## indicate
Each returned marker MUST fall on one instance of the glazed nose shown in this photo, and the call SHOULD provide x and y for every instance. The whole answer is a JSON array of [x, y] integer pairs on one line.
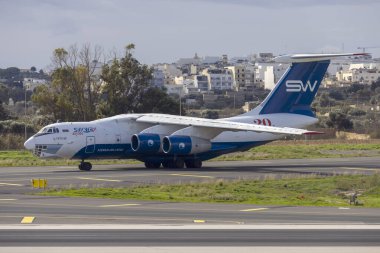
[[29, 144]]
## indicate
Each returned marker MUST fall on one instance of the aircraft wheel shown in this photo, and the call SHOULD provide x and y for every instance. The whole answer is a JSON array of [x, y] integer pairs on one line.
[[189, 164], [179, 163], [85, 166], [152, 165], [197, 163], [194, 163], [167, 164]]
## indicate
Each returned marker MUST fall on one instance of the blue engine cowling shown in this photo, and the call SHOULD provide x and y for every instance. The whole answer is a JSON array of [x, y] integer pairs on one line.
[[146, 143], [184, 145]]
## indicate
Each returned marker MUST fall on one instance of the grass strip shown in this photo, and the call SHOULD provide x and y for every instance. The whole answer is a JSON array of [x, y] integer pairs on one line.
[[275, 150], [302, 191], [16, 158]]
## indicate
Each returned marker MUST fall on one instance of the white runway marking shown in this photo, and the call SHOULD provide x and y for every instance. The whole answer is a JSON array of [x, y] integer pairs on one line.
[[120, 205], [100, 179], [9, 184], [358, 168], [254, 209], [188, 175]]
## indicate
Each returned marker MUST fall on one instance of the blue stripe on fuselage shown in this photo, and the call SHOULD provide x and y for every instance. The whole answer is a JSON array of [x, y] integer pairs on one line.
[[124, 151]]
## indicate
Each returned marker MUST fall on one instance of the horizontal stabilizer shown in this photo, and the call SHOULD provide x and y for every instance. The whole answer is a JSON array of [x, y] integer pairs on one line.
[[290, 58]]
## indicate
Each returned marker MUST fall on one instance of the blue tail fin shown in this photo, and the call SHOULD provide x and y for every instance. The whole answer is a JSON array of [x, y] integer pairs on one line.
[[296, 90]]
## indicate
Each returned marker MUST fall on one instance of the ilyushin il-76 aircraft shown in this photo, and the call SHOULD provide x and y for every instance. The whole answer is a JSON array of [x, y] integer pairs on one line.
[[177, 141]]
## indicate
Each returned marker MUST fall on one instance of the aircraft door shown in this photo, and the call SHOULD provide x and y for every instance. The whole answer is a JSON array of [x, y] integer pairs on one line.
[[118, 138], [90, 144]]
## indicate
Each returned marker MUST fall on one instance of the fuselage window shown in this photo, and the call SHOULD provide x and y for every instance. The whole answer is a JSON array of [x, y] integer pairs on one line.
[[65, 130], [56, 130]]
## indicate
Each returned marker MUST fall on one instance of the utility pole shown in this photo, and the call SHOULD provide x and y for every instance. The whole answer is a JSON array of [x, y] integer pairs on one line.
[[25, 114], [180, 103]]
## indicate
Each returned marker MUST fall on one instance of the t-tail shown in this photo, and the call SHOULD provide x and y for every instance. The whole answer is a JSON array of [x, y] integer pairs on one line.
[[296, 89]]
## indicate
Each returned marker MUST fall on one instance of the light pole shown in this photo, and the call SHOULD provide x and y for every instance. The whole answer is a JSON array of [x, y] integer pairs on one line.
[[180, 102], [25, 113]]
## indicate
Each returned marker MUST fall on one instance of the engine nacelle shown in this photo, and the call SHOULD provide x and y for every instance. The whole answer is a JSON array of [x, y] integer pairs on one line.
[[184, 145], [146, 143]]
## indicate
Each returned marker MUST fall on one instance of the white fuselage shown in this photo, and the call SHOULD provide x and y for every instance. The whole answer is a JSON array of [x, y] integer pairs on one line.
[[111, 137]]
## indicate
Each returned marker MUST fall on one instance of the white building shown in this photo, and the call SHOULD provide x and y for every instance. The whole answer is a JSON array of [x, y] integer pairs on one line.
[[31, 83], [362, 75], [365, 65], [268, 74], [366, 76], [243, 75], [158, 78], [201, 82], [219, 79], [170, 72], [175, 89], [269, 78]]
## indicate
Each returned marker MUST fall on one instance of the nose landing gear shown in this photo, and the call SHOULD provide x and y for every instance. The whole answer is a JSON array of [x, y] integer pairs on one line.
[[85, 166]]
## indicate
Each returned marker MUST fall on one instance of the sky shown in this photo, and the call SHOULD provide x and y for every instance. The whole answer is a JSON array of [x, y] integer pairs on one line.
[[166, 30]]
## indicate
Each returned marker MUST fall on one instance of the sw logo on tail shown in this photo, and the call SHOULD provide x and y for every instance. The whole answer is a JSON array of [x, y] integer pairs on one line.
[[298, 86]]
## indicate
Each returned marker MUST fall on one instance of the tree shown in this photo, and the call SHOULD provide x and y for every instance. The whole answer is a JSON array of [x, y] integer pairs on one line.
[[324, 100], [125, 82], [339, 121], [156, 100], [33, 69], [3, 113], [210, 114], [74, 91], [78, 93]]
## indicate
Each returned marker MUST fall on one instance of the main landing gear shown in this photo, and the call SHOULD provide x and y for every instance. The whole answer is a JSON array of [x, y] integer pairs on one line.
[[177, 163], [85, 166]]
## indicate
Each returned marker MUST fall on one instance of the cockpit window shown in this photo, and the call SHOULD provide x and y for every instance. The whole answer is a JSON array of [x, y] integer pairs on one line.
[[48, 130]]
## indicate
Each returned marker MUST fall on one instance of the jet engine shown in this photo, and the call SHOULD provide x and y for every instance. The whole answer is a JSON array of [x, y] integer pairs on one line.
[[146, 143], [184, 145]]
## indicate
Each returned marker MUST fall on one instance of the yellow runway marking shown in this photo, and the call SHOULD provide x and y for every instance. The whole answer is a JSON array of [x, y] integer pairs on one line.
[[27, 220], [119, 205], [11, 184], [100, 179], [254, 209], [7, 199], [187, 175], [199, 221]]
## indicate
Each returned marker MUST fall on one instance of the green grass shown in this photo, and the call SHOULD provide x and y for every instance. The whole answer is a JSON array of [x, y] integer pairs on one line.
[[25, 158], [302, 191], [301, 149], [275, 150]]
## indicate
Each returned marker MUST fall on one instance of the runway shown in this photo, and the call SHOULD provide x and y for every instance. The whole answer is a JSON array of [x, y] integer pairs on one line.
[[17, 205], [184, 236], [17, 179]]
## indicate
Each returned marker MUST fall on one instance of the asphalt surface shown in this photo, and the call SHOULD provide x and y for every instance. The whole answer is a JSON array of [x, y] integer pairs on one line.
[[16, 203], [193, 237], [17, 179]]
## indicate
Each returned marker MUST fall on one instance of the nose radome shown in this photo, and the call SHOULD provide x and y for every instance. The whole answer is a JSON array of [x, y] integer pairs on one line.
[[29, 144]]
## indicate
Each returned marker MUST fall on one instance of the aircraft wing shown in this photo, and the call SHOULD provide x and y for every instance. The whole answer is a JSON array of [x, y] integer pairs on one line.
[[218, 124]]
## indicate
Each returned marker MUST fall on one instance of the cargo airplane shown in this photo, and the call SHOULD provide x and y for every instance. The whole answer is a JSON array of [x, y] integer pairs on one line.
[[177, 141]]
